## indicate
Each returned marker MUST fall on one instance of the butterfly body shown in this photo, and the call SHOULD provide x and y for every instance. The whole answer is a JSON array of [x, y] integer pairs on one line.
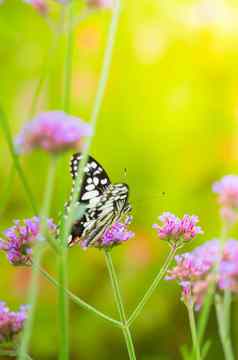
[[105, 203]]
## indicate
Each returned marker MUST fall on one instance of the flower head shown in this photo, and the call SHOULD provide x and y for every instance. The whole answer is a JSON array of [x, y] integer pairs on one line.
[[227, 190], [40, 5], [11, 323], [53, 131], [101, 4], [116, 234], [176, 230], [195, 271], [20, 238]]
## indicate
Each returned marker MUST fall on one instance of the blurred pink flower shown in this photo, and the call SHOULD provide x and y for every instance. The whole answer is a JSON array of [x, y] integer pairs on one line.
[[40, 5], [107, 4], [53, 131], [195, 271], [227, 190]]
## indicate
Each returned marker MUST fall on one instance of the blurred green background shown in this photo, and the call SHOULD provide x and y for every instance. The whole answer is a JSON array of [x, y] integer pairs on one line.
[[169, 116]]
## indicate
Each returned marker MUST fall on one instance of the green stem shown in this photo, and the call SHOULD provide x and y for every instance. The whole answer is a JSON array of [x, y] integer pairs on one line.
[[68, 60], [63, 258], [33, 288], [63, 304], [120, 307], [79, 301], [97, 104], [153, 286], [192, 323], [223, 330], [6, 129], [205, 312], [7, 191]]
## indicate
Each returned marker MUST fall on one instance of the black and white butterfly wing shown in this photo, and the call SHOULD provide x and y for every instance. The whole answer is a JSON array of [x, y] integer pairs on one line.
[[94, 184], [105, 203], [95, 180]]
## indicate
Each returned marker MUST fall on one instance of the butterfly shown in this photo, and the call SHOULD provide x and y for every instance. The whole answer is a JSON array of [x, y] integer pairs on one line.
[[105, 203]]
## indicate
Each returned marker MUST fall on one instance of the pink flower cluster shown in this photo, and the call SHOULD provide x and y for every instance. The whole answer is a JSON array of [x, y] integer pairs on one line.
[[195, 271], [227, 190], [53, 131], [176, 230], [20, 238], [11, 323]]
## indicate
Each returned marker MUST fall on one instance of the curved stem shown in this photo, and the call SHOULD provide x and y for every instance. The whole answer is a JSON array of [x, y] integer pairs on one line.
[[120, 307], [38, 253], [153, 286], [79, 301], [192, 323]]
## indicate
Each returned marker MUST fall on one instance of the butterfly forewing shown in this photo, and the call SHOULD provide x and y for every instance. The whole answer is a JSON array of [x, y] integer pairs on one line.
[[95, 179]]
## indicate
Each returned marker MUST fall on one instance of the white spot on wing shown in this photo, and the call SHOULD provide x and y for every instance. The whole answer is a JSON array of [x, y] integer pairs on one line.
[[90, 195], [96, 181], [93, 165], [90, 187], [104, 181]]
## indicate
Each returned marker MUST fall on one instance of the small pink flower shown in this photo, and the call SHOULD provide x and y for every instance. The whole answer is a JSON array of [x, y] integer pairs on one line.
[[176, 230], [20, 238], [11, 323]]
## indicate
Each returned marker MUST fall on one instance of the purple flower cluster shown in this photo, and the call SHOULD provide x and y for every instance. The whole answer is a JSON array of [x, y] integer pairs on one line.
[[227, 190], [195, 271], [53, 131], [176, 230], [20, 238], [116, 234], [11, 323]]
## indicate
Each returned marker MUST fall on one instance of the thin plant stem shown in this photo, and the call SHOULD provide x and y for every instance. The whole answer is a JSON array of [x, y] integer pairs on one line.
[[68, 60], [223, 306], [7, 190], [223, 330], [154, 285], [79, 301], [33, 288], [7, 132], [120, 307], [63, 305], [205, 312], [98, 101], [192, 323], [45, 72], [66, 225]]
